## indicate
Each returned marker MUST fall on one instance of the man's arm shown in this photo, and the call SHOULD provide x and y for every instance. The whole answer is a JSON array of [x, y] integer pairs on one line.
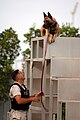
[[35, 98]]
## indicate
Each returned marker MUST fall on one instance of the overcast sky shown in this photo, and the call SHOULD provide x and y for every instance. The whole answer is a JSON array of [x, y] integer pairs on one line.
[[22, 14]]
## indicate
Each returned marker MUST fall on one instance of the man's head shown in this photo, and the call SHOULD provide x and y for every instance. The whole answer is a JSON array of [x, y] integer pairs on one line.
[[17, 75]]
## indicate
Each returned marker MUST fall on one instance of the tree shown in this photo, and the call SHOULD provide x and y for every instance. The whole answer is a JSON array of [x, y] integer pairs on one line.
[[33, 32], [65, 31], [68, 31], [9, 50]]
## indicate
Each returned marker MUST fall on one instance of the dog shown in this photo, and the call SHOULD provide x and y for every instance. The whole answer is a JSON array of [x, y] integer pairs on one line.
[[50, 28]]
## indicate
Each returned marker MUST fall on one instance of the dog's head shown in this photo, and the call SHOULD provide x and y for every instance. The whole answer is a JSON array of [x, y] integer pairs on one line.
[[48, 20], [50, 23]]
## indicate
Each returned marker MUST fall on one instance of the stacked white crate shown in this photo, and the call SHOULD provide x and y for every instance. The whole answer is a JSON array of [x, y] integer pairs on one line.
[[61, 82], [65, 70]]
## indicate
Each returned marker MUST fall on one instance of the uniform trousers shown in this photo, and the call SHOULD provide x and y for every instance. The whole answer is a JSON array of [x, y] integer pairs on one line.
[[18, 115]]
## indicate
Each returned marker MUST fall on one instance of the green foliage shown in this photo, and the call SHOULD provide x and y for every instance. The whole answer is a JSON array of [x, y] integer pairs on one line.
[[27, 53], [33, 32], [63, 110], [5, 75], [9, 50], [68, 31], [9, 45]]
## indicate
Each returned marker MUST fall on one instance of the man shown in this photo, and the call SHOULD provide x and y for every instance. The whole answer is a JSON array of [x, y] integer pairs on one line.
[[20, 99]]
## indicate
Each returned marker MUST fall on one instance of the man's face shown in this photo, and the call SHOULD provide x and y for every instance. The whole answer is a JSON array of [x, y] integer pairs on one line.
[[20, 76]]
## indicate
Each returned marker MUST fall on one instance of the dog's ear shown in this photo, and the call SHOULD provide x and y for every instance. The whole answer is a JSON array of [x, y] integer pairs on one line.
[[44, 14], [49, 15]]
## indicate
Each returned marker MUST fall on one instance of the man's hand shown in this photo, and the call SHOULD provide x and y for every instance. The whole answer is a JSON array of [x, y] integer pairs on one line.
[[40, 94]]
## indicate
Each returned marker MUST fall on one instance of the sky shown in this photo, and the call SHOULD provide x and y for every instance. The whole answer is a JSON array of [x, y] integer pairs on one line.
[[22, 14]]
